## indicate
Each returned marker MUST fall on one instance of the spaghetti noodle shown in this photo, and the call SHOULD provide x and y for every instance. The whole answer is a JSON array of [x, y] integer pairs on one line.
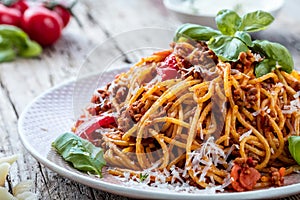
[[183, 116]]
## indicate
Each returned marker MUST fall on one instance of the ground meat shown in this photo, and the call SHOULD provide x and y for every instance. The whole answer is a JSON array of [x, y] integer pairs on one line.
[[118, 91], [100, 102], [246, 59], [131, 115], [198, 59], [250, 95], [237, 98], [121, 94], [182, 49], [99, 96], [125, 121], [137, 110], [277, 177]]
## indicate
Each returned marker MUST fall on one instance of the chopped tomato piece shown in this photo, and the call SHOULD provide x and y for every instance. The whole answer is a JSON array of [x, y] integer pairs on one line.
[[249, 177], [237, 187], [167, 73], [106, 121], [235, 172], [282, 171], [170, 62], [243, 174], [86, 130], [169, 68]]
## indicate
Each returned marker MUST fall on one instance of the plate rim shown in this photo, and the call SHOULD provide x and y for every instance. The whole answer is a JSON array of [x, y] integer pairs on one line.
[[169, 4], [124, 190]]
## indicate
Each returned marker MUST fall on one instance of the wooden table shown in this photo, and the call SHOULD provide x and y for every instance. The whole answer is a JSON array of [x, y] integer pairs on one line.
[[22, 80]]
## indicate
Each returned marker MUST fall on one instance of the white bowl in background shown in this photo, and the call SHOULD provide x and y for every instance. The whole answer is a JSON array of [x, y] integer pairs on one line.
[[204, 11]]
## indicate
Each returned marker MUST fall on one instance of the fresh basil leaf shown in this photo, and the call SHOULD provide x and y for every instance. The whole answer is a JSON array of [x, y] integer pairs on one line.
[[276, 52], [16, 35], [81, 153], [264, 67], [228, 21], [245, 37], [14, 41], [196, 32], [227, 48], [33, 49], [7, 54], [294, 147], [6, 51], [256, 21]]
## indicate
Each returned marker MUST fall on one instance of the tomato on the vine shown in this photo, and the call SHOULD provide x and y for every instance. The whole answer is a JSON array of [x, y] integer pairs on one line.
[[10, 16], [63, 13], [42, 25], [20, 5]]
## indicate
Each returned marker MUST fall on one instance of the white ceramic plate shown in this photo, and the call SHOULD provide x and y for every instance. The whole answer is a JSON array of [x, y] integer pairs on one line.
[[52, 114], [204, 11]]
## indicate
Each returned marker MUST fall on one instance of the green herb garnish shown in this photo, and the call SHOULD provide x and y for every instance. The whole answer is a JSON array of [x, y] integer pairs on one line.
[[15, 42], [81, 153], [233, 37], [143, 176], [294, 147]]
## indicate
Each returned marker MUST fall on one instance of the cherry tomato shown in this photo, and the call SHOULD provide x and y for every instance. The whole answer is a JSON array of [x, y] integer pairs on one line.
[[10, 16], [63, 13], [20, 5], [42, 25]]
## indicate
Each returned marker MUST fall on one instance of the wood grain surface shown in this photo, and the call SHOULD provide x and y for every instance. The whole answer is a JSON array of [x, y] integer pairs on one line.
[[23, 79]]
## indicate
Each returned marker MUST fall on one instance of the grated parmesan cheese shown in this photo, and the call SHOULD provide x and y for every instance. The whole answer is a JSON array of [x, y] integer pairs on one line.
[[272, 150], [293, 107], [297, 95], [256, 113], [257, 57], [202, 160], [246, 134]]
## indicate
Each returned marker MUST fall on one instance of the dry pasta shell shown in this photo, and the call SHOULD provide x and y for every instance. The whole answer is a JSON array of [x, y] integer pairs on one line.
[[9, 159], [4, 169], [5, 195]]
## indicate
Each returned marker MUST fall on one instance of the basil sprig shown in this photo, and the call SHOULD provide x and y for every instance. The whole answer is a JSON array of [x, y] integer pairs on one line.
[[233, 37], [81, 153], [15, 42], [294, 147]]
